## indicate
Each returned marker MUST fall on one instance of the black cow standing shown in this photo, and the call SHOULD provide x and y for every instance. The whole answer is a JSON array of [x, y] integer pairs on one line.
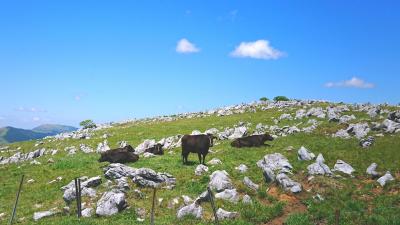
[[199, 144], [119, 155], [252, 141]]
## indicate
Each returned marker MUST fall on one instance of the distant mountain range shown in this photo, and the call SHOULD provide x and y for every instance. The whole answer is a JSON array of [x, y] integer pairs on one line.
[[12, 134]]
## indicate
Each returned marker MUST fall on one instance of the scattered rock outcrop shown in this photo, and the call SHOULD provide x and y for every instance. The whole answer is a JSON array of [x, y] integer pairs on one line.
[[111, 203], [319, 167], [193, 209], [223, 215], [343, 167], [219, 181], [305, 154], [385, 178], [276, 163]]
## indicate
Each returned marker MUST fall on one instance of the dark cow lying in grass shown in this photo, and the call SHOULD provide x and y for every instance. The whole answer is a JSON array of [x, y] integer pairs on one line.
[[252, 141], [119, 155], [156, 149], [199, 144]]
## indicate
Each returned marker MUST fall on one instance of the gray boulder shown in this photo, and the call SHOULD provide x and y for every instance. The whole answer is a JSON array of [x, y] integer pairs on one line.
[[242, 168], [229, 195], [102, 147], [346, 118], [238, 133], [39, 215], [143, 177], [385, 178], [118, 170], [288, 184], [390, 126], [88, 212], [146, 177], [275, 161], [342, 134], [359, 130], [86, 149], [145, 145], [223, 215], [343, 167], [213, 131], [367, 142], [319, 167], [305, 154], [394, 116], [214, 162], [111, 203], [192, 209], [371, 170], [250, 184], [200, 170], [219, 181], [247, 200]]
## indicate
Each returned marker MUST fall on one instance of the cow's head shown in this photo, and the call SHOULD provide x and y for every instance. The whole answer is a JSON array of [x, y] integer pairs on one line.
[[158, 148], [103, 157], [129, 148], [268, 137], [211, 138]]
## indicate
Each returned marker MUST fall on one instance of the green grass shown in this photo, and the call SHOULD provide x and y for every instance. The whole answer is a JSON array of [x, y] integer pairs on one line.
[[360, 200]]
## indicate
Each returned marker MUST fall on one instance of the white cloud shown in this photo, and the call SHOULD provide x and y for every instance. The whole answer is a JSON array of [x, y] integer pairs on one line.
[[29, 109], [354, 82], [2, 118], [185, 46], [78, 97], [260, 49], [35, 118]]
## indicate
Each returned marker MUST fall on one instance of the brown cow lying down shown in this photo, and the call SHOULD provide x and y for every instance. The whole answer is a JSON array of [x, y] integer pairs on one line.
[[252, 141], [119, 155], [196, 144], [156, 149]]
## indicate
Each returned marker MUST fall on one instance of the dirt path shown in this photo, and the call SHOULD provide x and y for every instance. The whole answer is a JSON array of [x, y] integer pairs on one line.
[[293, 205]]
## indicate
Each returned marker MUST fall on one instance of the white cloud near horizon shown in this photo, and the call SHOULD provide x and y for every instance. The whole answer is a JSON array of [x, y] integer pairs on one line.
[[30, 109], [185, 46], [260, 49], [35, 119], [354, 82]]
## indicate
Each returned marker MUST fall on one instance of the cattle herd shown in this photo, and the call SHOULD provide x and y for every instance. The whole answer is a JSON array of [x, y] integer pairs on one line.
[[199, 144]]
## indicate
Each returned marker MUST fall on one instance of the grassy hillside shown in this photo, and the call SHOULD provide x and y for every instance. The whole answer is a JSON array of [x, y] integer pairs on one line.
[[12, 134], [359, 199], [53, 129]]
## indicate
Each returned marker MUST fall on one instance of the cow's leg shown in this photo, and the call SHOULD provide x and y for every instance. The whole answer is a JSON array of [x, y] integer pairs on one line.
[[199, 157], [204, 159]]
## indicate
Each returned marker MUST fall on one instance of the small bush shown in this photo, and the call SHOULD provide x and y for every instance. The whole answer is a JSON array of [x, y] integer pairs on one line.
[[281, 98], [87, 124], [264, 99]]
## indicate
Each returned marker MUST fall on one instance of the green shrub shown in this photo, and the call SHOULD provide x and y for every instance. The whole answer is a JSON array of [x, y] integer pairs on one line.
[[281, 98], [87, 124]]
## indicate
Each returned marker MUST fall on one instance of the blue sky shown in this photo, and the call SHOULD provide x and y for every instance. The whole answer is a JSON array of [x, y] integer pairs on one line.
[[65, 61]]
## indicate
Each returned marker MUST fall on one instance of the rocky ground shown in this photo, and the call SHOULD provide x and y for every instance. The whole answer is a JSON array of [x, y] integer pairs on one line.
[[326, 157]]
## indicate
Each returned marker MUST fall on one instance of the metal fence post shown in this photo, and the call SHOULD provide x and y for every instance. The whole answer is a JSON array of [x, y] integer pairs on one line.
[[213, 204], [337, 216], [153, 207], [16, 200], [78, 197]]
